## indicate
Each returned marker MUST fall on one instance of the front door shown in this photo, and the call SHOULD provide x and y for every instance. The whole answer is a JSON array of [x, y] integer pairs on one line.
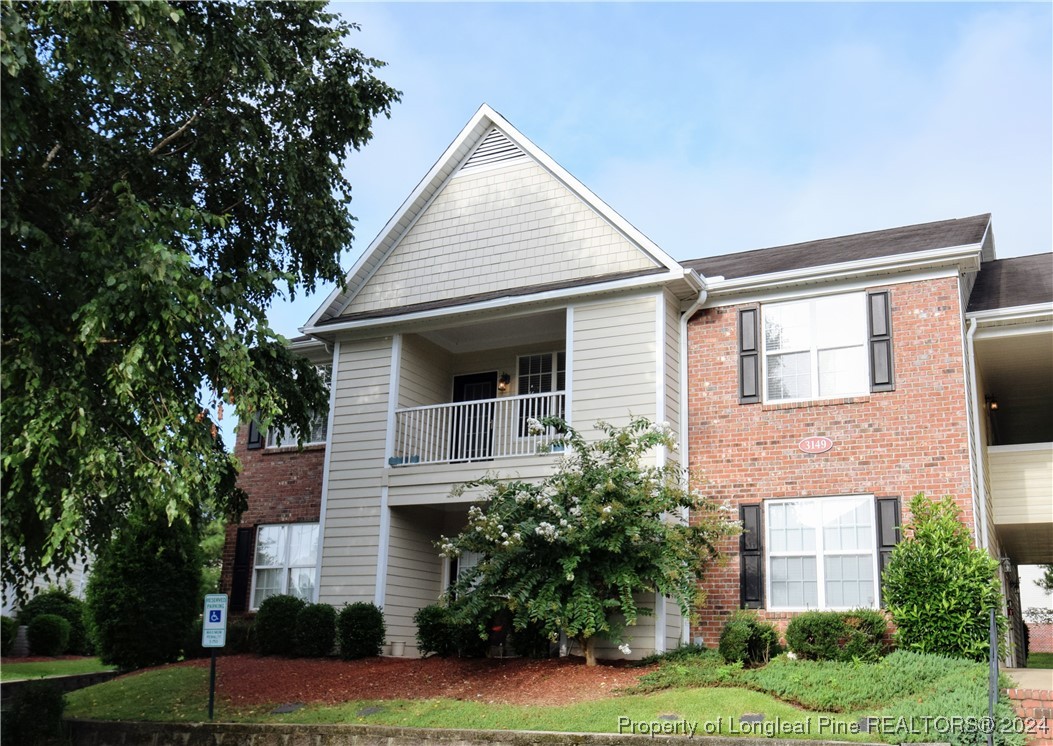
[[472, 434]]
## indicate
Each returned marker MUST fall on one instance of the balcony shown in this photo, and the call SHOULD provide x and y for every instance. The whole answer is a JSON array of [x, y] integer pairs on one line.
[[473, 431]]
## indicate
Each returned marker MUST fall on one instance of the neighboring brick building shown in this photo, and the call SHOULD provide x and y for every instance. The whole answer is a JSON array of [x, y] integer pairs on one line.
[[817, 387]]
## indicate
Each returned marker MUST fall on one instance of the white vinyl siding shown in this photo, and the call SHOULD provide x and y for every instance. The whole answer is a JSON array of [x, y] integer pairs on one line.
[[672, 366], [498, 229], [1021, 483], [815, 348], [614, 362], [414, 570], [821, 553], [356, 446]]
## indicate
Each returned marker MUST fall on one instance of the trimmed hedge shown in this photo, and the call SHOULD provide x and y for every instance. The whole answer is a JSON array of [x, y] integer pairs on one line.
[[315, 630], [361, 630], [65, 605], [745, 639], [240, 639], [439, 632], [838, 635], [276, 625], [48, 635]]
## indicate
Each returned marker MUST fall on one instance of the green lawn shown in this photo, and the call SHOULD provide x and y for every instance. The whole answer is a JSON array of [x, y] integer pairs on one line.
[[1040, 660], [181, 694], [36, 670]]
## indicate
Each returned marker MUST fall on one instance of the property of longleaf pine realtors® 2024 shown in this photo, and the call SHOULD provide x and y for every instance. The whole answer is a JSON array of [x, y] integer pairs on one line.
[[823, 725]]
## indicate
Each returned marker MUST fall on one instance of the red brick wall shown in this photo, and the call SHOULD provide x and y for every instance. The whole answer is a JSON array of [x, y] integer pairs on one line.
[[284, 485], [892, 444], [1040, 637], [1035, 708]]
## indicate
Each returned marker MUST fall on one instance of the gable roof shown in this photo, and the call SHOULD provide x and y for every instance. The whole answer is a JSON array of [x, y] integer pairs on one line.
[[1012, 282], [907, 239], [477, 146]]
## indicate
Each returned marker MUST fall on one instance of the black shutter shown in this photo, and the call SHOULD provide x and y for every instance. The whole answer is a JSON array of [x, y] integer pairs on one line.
[[255, 440], [751, 555], [888, 531], [239, 582], [879, 325], [749, 356]]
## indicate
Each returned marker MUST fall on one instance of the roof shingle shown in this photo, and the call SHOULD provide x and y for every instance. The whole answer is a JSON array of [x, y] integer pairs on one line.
[[1016, 281]]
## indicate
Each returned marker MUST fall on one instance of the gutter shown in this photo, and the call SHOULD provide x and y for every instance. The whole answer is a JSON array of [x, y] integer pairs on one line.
[[703, 294]]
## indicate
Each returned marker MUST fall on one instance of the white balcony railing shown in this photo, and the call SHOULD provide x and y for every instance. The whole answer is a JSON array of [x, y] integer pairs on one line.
[[474, 430]]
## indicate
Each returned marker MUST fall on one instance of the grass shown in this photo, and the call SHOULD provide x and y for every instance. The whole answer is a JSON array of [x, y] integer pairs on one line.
[[181, 694], [40, 669], [1040, 660]]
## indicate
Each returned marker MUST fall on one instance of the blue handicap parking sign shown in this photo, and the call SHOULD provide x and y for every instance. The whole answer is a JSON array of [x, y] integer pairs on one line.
[[215, 615]]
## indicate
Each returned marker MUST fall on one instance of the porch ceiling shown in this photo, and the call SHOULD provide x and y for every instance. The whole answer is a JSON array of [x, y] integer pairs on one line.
[[495, 333], [1018, 373], [1027, 543]]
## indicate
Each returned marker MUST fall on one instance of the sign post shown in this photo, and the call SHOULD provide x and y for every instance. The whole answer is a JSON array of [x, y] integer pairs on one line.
[[214, 635]]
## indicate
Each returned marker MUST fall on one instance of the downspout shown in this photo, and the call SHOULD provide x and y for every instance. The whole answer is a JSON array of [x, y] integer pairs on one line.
[[979, 485], [703, 294]]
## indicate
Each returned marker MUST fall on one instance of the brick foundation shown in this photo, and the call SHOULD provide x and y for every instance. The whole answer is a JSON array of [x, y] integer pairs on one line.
[[1035, 708], [890, 444]]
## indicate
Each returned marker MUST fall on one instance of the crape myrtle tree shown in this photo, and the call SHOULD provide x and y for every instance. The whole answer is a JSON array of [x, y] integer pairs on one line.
[[574, 552], [168, 169]]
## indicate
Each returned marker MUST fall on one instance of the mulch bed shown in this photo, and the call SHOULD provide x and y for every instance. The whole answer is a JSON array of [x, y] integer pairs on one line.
[[246, 680]]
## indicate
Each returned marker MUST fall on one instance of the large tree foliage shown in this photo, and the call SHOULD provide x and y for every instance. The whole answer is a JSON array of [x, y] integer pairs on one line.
[[574, 552], [168, 169]]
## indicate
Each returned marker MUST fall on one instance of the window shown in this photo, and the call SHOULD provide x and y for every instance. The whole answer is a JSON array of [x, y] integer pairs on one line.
[[540, 374], [319, 423], [816, 348], [821, 553], [286, 559]]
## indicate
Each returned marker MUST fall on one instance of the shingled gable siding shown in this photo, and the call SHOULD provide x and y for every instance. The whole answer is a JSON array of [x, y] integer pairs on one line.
[[888, 444], [284, 485], [498, 229], [357, 441]]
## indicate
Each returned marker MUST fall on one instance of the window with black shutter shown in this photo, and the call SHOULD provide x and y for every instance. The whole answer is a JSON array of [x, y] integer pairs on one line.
[[749, 356], [879, 323], [241, 572], [888, 532], [751, 557], [255, 439]]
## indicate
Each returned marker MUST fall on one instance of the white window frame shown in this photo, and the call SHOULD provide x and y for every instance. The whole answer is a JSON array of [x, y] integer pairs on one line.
[[285, 567], [518, 432], [320, 428], [820, 554], [814, 348]]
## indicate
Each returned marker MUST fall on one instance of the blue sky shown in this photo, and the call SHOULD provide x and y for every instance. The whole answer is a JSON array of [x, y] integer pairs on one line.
[[725, 127]]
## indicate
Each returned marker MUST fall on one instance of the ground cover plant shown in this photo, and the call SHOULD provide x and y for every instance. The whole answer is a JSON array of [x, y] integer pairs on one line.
[[1040, 660]]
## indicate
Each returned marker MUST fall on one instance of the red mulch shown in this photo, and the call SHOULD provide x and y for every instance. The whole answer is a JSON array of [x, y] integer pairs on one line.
[[254, 680]]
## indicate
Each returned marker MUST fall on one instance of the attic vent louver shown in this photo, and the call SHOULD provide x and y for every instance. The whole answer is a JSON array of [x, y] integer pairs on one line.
[[495, 148]]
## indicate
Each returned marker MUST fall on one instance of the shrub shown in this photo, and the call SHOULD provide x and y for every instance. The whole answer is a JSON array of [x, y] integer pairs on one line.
[[65, 605], [8, 633], [240, 639], [315, 630], [48, 635], [837, 635], [35, 716], [142, 597], [746, 639], [938, 588], [439, 632], [361, 629], [276, 625]]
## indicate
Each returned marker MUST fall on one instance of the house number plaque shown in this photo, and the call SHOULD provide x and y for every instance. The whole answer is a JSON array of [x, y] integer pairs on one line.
[[815, 444]]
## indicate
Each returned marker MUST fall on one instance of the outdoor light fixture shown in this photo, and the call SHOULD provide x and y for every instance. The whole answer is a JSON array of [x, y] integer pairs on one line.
[[992, 404], [503, 381]]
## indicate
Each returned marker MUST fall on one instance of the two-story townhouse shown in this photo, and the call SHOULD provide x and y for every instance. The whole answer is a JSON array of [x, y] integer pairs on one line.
[[504, 289]]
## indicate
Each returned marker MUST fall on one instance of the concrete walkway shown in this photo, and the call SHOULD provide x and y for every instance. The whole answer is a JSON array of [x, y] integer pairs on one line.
[[1031, 678]]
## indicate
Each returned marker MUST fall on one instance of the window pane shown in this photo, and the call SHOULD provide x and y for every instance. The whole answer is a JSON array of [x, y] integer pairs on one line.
[[847, 525], [270, 545], [849, 581], [793, 582], [843, 371], [789, 376], [787, 326], [301, 583], [303, 545], [840, 320], [268, 583]]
